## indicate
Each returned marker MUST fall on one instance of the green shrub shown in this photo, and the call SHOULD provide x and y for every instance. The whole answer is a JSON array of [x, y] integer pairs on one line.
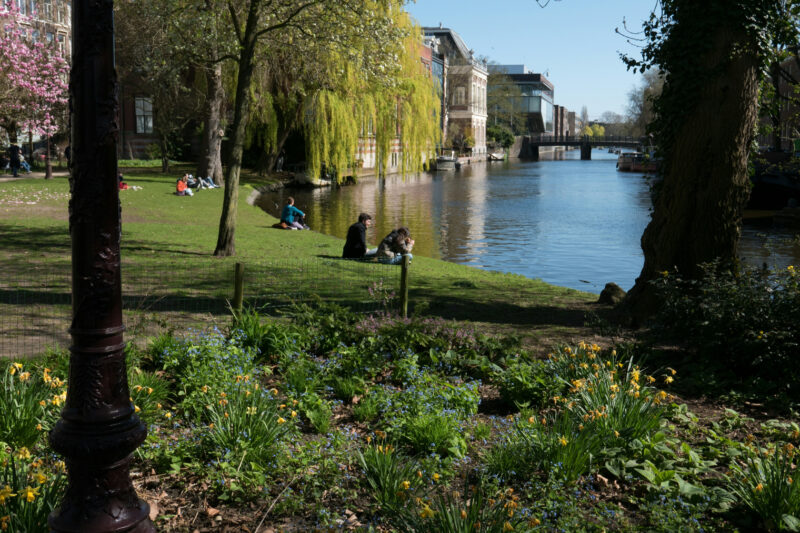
[[317, 411], [452, 512], [558, 445], [390, 476], [245, 423], [206, 360], [272, 339], [525, 382], [29, 403], [347, 388], [149, 393], [767, 483], [740, 320], [30, 489], [434, 433]]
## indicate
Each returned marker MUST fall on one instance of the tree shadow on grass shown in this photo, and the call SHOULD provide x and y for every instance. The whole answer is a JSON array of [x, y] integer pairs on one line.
[[457, 308]]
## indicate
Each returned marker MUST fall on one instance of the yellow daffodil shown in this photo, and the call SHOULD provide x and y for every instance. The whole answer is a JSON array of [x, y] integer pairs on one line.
[[29, 494], [136, 409], [204, 389], [281, 420], [225, 414], [168, 415], [251, 410], [40, 478], [149, 390], [294, 414], [759, 487], [23, 453], [508, 527], [24, 376], [668, 379], [426, 511], [274, 391], [405, 485], [463, 514], [42, 403], [39, 427], [616, 433], [563, 441], [531, 420], [211, 425], [158, 406], [5, 494], [435, 476]]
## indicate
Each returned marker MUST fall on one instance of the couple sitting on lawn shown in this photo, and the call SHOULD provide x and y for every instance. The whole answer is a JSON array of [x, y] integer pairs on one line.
[[188, 182], [391, 249]]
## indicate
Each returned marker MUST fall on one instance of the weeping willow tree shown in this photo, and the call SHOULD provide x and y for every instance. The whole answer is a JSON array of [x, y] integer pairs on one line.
[[403, 106]]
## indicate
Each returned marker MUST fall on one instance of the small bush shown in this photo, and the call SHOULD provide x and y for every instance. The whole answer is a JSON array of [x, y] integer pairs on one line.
[[30, 489], [740, 320], [391, 476], [452, 512], [29, 403], [439, 433], [245, 423], [767, 483]]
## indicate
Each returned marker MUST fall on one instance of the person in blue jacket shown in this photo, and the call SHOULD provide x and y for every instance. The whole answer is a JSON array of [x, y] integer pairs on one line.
[[293, 217]]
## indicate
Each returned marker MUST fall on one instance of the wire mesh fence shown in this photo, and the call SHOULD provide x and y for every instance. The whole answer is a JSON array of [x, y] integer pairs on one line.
[[35, 305]]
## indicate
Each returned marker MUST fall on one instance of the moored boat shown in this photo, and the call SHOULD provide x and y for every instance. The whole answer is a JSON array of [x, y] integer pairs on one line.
[[497, 156], [625, 160], [447, 162]]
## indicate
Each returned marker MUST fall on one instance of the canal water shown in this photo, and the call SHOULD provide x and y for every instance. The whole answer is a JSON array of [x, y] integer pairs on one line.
[[568, 222]]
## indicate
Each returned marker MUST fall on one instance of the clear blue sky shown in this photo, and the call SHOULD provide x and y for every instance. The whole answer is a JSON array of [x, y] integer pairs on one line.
[[573, 40]]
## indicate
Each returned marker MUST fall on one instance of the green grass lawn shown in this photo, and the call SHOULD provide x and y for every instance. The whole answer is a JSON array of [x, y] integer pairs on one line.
[[169, 240]]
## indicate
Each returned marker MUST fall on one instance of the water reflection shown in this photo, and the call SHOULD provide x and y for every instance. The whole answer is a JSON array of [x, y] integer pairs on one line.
[[569, 222]]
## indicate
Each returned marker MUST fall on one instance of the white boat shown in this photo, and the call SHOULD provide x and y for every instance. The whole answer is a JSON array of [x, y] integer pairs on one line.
[[497, 156], [447, 162]]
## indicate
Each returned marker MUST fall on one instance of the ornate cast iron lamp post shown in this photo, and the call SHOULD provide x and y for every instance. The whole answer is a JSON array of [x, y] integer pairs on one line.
[[98, 430]]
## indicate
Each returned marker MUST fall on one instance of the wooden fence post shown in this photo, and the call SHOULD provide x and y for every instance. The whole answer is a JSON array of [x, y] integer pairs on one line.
[[404, 287], [238, 288]]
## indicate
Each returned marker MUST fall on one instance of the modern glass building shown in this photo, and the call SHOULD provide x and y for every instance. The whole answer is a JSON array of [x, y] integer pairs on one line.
[[535, 99]]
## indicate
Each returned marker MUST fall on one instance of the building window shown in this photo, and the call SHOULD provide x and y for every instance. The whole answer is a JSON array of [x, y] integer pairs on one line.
[[144, 115], [21, 6], [47, 10], [461, 96], [49, 37], [61, 40]]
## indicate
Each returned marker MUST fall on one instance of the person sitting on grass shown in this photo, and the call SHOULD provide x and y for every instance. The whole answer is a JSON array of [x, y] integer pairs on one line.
[[182, 187], [293, 217], [394, 246], [355, 246]]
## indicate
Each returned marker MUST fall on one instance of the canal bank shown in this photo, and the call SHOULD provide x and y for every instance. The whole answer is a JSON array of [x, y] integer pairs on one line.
[[568, 222]]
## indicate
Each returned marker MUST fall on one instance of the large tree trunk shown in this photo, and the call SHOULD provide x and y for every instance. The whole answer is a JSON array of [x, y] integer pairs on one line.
[[227, 222], [697, 212], [211, 157]]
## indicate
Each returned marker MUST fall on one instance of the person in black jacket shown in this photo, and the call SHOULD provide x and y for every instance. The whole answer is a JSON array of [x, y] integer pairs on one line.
[[355, 247]]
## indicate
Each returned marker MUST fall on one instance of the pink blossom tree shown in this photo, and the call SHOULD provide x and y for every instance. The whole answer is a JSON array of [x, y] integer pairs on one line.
[[33, 80]]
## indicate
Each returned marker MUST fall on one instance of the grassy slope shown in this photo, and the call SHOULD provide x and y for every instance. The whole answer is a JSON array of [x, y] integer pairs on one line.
[[160, 228]]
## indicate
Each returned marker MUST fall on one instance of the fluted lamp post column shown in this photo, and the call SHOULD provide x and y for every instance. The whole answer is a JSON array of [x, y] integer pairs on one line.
[[98, 430]]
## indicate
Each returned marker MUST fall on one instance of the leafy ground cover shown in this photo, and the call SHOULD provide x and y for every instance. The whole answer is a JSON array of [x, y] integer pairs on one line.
[[327, 420]]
